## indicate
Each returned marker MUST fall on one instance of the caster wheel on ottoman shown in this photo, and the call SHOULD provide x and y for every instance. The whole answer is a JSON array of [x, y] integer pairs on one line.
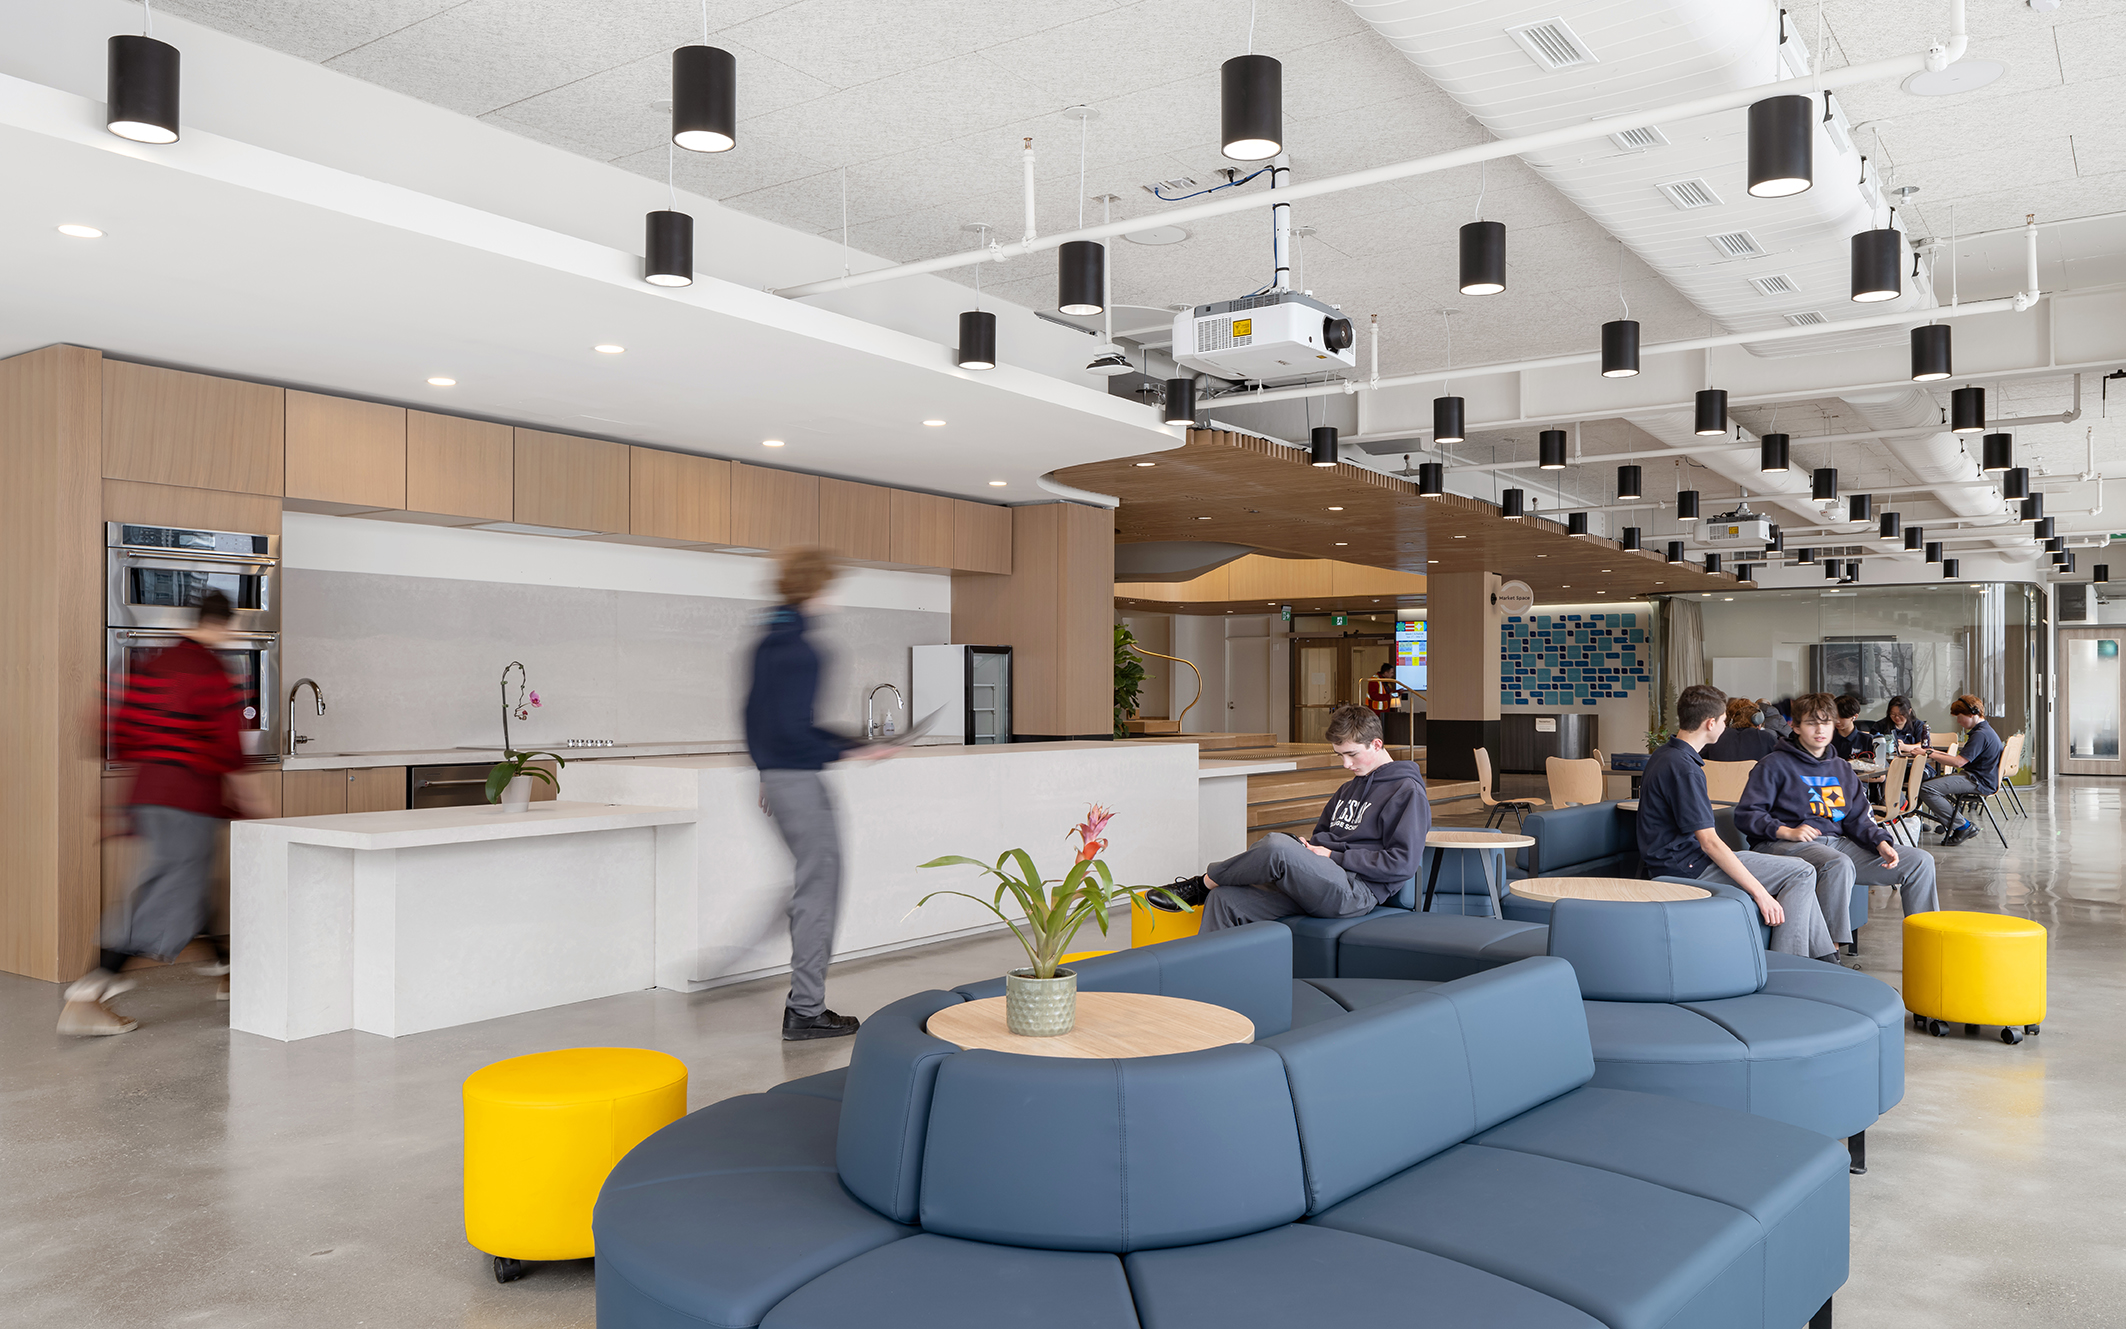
[[2010, 1034], [508, 1270], [1938, 1028]]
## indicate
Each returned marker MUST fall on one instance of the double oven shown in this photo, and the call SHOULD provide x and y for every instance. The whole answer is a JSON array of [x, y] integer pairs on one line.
[[155, 576]]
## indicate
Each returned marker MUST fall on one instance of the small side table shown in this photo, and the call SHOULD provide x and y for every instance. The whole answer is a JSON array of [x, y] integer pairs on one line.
[[1490, 845], [1110, 1024], [1553, 889]]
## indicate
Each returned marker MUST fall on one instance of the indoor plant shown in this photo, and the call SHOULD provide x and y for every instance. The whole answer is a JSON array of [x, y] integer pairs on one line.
[[509, 781], [1129, 678], [1041, 1000]]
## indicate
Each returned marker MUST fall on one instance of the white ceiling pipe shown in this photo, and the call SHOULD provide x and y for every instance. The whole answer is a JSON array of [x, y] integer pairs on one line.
[[1784, 489], [1026, 170], [1936, 57]]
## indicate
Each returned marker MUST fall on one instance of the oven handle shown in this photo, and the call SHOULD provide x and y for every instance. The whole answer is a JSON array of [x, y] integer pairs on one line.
[[438, 784], [176, 556], [173, 634]]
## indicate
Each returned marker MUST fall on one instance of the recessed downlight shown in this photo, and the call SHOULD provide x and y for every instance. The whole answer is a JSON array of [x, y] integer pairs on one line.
[[1334, 508], [1342, 543], [996, 484], [771, 442], [80, 232], [1203, 519], [934, 424], [442, 382], [1143, 464], [608, 348]]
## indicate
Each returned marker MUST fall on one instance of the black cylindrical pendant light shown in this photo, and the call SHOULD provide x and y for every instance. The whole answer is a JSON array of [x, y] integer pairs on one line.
[[2034, 506], [1933, 551], [1930, 353], [1675, 551], [1771, 454], [2100, 572], [1777, 544], [1081, 276], [1915, 536], [704, 99], [1878, 265], [1890, 528], [2066, 561], [668, 249], [2055, 544], [1712, 413], [1323, 449], [2042, 529], [1951, 569], [1833, 569], [1782, 146], [1967, 411], [1630, 542], [1180, 401], [1483, 258], [1745, 572], [140, 87], [1550, 450], [1620, 348], [2015, 482], [978, 343], [1825, 485], [1859, 507], [1510, 505], [1628, 482], [1686, 505], [1251, 108], [1575, 523], [1431, 479], [1997, 452], [1447, 421], [1806, 556], [1712, 562]]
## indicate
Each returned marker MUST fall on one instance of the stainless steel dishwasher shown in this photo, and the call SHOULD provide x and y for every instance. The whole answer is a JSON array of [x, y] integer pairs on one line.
[[448, 786]]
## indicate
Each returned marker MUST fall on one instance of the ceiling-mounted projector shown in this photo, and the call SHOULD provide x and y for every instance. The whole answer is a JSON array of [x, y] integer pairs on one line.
[[1740, 527], [1278, 337], [1109, 360]]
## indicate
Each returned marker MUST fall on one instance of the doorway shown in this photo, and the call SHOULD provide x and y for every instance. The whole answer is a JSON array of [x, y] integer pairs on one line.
[[2092, 697], [1327, 673]]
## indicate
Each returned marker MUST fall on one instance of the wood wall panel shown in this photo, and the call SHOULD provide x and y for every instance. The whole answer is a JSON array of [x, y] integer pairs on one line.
[[459, 471], [981, 537], [314, 793], [167, 427], [1055, 610], [207, 509], [856, 520], [576, 483], [51, 658], [344, 456], [922, 529], [376, 789], [772, 509], [1462, 635], [679, 497]]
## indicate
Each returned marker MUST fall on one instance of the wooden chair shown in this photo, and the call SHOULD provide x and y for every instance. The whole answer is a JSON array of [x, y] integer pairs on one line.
[[1895, 806], [2011, 762], [1495, 810], [1725, 780], [1915, 776], [1573, 781]]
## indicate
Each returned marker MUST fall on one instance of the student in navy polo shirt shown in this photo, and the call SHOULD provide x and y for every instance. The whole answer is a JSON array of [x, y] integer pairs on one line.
[[1979, 760], [1677, 837]]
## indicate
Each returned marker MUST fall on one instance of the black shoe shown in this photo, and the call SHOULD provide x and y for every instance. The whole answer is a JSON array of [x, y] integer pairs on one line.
[[826, 1024], [1968, 831], [1189, 891]]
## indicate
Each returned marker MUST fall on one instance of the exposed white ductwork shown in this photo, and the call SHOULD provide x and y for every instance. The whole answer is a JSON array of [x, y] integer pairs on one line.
[[1936, 459], [1786, 489]]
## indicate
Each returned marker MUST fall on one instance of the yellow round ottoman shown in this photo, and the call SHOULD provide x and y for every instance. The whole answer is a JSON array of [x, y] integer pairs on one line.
[[542, 1132], [1975, 969], [1148, 924]]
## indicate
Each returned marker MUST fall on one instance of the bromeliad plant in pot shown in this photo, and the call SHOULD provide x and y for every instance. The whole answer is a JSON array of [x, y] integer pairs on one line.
[[509, 781], [1041, 1000]]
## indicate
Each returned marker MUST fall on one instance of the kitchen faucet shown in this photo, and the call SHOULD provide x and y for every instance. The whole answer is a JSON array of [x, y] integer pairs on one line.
[[288, 744], [871, 730]]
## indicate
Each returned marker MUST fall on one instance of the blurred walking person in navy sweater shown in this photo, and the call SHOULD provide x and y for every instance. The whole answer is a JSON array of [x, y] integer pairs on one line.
[[791, 751]]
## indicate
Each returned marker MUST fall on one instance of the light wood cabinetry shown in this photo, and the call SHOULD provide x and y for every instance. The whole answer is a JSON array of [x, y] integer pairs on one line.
[[981, 537], [1055, 609], [313, 793], [458, 471], [678, 498], [922, 529], [856, 520], [166, 427], [771, 509], [376, 789], [204, 509], [344, 456], [574, 483]]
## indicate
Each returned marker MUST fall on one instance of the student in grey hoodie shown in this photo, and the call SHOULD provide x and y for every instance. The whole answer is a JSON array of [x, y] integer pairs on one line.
[[1364, 847], [1804, 801]]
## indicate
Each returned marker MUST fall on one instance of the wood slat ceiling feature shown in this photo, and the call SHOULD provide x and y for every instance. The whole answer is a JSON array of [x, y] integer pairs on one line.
[[1256, 583], [1246, 490]]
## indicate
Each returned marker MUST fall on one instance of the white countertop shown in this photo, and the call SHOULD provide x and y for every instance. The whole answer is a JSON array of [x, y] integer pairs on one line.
[[1211, 769], [333, 761], [461, 825]]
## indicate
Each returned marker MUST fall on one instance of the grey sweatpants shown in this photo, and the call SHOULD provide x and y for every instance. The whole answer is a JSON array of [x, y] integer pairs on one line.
[[1793, 884], [1840, 862], [170, 901], [804, 816], [1278, 878], [1934, 796]]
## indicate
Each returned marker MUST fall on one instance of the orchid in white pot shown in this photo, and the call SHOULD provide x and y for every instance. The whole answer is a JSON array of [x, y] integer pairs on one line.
[[509, 781]]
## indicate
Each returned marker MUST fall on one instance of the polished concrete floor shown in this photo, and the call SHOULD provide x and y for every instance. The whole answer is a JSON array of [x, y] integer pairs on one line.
[[181, 1175]]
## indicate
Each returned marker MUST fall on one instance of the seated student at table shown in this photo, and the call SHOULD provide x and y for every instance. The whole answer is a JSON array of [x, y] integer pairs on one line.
[[1906, 731], [1848, 739], [1677, 837], [1364, 847], [1744, 740], [1804, 801], [1976, 770]]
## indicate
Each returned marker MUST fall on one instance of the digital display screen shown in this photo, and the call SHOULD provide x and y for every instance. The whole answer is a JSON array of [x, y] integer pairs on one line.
[[1410, 653]]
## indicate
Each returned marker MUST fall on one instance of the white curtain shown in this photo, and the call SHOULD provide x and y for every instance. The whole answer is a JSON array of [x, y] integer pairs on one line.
[[1682, 651]]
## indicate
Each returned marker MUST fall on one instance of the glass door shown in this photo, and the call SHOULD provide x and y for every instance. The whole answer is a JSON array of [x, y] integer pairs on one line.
[[2093, 688]]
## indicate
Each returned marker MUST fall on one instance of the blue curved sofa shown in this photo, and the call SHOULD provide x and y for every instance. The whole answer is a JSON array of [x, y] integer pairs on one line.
[[1437, 1158]]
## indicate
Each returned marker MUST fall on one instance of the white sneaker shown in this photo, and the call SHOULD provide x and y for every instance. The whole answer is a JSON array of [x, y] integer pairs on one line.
[[215, 970], [98, 985], [88, 1019]]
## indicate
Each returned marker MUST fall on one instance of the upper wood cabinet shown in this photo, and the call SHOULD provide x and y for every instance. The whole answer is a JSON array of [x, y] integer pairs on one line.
[[345, 456], [678, 497], [575, 483], [771, 509], [981, 537], [856, 520], [166, 427], [458, 468], [922, 529]]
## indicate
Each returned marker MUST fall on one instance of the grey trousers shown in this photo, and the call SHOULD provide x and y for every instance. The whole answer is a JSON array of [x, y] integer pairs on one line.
[[170, 901], [1840, 862], [1934, 795], [1278, 878], [1793, 884], [804, 816]]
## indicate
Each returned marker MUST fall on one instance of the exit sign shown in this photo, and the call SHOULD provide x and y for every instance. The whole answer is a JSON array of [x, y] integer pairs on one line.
[[1339, 620]]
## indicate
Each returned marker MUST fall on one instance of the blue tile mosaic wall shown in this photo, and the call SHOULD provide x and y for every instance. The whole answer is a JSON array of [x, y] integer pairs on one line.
[[1571, 659]]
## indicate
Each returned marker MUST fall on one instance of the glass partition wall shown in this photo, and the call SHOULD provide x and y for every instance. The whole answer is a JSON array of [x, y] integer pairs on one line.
[[1927, 643]]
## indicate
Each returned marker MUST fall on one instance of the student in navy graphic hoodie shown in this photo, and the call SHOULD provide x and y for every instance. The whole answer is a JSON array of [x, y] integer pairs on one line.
[[1804, 801], [1365, 846]]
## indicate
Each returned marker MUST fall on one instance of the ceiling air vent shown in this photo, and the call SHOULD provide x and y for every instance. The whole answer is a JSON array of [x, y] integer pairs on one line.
[[1808, 318], [1552, 45], [1688, 194], [1735, 244], [1639, 140], [1775, 285]]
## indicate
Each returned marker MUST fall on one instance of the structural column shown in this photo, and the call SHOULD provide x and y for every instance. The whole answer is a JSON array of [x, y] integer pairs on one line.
[[1056, 610], [1462, 696]]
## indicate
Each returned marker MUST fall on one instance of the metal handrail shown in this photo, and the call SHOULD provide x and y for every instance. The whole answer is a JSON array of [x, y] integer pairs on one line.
[[1192, 669]]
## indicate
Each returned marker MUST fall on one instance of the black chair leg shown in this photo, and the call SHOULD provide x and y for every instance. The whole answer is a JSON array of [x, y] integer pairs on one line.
[[1990, 821], [1856, 1146], [1431, 882], [1822, 1318]]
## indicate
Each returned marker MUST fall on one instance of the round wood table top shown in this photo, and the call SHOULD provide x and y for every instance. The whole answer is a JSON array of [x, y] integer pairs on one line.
[[1555, 889], [1475, 840], [1110, 1024], [1628, 805]]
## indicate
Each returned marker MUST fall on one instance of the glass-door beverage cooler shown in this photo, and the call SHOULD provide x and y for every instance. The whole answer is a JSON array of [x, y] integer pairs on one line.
[[971, 685]]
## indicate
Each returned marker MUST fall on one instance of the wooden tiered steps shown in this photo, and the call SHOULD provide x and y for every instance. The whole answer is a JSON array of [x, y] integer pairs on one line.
[[1291, 801]]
